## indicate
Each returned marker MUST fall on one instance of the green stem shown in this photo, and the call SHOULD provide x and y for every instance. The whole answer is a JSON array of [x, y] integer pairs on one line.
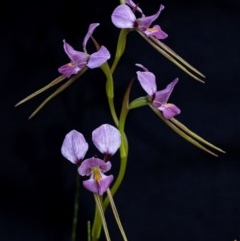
[[110, 91], [97, 225], [89, 231], [123, 147], [121, 44], [75, 211], [123, 151]]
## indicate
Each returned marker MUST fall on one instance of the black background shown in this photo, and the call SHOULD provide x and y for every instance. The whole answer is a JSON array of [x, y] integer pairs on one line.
[[172, 190]]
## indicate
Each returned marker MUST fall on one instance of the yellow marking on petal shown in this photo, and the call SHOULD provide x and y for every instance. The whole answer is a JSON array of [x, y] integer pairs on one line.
[[152, 30], [96, 174], [168, 104], [71, 64]]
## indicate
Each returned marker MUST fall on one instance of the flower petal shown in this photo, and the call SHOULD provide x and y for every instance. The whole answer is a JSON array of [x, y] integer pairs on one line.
[[74, 147], [77, 58], [148, 81], [85, 169], [156, 31], [98, 187], [145, 22], [169, 110], [98, 58], [142, 67], [134, 6], [107, 139], [90, 31], [68, 70], [162, 96], [123, 17]]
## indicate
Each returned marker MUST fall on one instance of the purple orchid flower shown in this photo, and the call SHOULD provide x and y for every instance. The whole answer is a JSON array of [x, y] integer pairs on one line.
[[159, 99], [79, 60], [123, 17], [107, 140], [74, 147], [95, 168]]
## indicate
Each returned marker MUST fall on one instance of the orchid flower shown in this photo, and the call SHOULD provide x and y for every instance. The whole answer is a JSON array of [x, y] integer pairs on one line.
[[95, 167], [79, 60], [107, 140], [123, 17], [159, 99]]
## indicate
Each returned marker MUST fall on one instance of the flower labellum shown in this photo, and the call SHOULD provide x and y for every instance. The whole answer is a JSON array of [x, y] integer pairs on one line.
[[95, 168]]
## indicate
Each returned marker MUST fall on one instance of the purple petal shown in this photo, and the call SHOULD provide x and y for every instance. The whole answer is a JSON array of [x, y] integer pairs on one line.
[[107, 139], [162, 96], [156, 31], [133, 5], [85, 169], [98, 58], [68, 70], [77, 58], [98, 187], [145, 22], [142, 67], [74, 147], [90, 31], [123, 17], [148, 81], [169, 110]]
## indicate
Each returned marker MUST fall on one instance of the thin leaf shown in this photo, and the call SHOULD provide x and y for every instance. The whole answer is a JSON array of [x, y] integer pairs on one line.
[[186, 136], [101, 212], [171, 58], [55, 93], [194, 135], [175, 55], [116, 215], [51, 84]]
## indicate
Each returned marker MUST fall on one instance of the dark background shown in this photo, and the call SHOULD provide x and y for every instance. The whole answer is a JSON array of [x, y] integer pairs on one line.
[[172, 190]]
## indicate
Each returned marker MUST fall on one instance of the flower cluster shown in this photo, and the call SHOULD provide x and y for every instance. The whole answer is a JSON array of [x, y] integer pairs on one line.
[[107, 140]]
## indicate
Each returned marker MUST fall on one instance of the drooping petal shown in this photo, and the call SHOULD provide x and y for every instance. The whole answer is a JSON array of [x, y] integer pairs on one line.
[[90, 31], [148, 81], [162, 96], [107, 139], [123, 17], [169, 110], [77, 58], [145, 22], [86, 166], [74, 147], [98, 58], [98, 187], [156, 31]]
